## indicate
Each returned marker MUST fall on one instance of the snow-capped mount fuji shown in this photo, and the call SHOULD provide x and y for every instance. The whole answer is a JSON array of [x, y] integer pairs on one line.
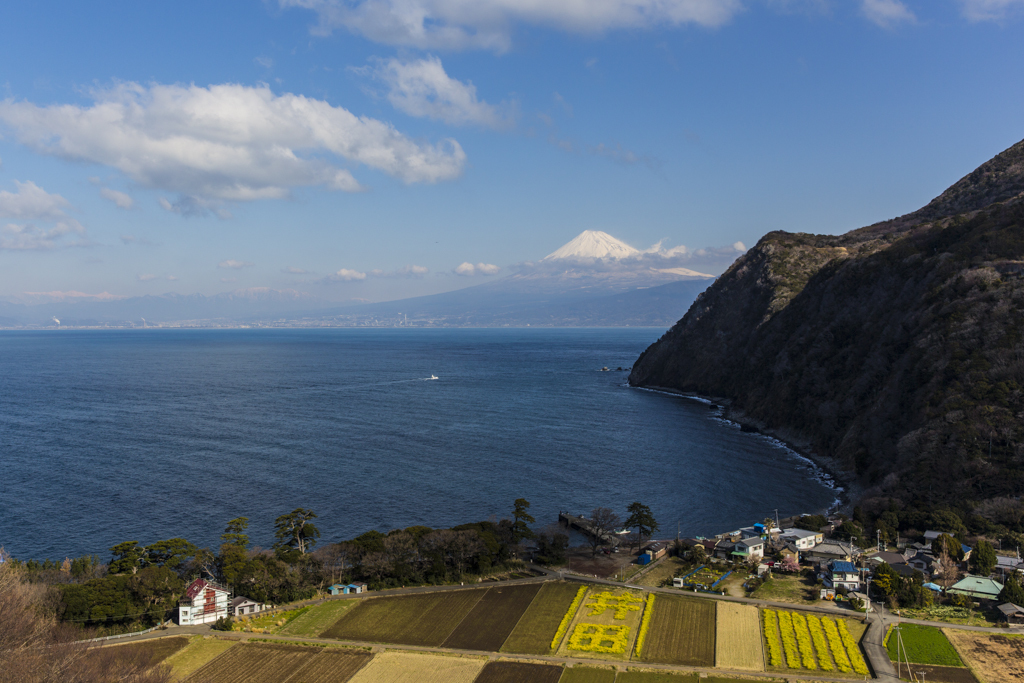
[[593, 244]]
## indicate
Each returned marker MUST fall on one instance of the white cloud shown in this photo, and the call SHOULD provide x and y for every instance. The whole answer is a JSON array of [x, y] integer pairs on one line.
[[33, 203], [887, 13], [739, 246], [225, 142], [120, 199], [404, 271], [346, 275], [422, 88], [468, 269], [990, 10], [145, 278], [235, 265], [265, 62], [488, 24]]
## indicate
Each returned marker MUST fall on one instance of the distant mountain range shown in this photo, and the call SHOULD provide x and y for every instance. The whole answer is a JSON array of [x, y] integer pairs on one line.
[[594, 280], [894, 352]]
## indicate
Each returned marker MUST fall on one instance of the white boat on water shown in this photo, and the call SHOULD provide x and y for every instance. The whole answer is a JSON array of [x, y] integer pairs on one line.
[[432, 377]]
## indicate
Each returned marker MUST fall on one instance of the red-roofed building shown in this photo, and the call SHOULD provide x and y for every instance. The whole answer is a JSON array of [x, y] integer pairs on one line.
[[203, 602]]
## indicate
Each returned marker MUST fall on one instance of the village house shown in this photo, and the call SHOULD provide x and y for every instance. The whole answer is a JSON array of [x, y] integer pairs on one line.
[[842, 575], [977, 587], [802, 539], [831, 550], [1012, 614], [203, 602], [1008, 565], [749, 549], [241, 606], [656, 550], [924, 563], [878, 557]]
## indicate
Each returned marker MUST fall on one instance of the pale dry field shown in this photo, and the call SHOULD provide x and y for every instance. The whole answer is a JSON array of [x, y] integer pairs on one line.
[[408, 667], [992, 658], [738, 638]]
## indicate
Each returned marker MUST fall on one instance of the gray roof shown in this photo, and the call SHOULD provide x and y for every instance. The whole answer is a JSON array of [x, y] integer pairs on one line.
[[1010, 608], [751, 542], [799, 533], [887, 557]]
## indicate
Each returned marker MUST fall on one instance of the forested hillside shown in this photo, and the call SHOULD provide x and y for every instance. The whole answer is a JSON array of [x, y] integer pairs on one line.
[[895, 351]]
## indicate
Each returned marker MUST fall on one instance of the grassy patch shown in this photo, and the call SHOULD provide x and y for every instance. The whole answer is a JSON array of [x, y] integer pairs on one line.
[[198, 652], [269, 623], [317, 619], [519, 672], [492, 619], [422, 619], [682, 632], [587, 674], [923, 645], [793, 588], [533, 634], [661, 574]]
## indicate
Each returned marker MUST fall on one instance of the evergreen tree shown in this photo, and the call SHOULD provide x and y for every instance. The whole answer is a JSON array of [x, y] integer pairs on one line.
[[234, 532], [642, 519], [983, 559], [294, 531], [521, 519], [1013, 590]]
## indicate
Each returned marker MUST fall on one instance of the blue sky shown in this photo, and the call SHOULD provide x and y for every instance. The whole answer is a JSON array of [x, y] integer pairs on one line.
[[365, 149]]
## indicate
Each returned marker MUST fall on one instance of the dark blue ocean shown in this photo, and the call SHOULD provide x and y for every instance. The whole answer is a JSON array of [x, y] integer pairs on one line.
[[108, 436]]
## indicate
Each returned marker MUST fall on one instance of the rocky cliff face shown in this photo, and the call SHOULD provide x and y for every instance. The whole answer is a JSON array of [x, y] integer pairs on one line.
[[895, 350]]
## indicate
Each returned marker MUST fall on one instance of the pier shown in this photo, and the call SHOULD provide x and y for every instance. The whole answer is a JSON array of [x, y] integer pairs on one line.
[[585, 526]]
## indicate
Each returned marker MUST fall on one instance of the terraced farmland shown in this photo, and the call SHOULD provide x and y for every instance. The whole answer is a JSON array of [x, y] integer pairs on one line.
[[535, 630], [738, 638], [519, 672], [255, 663], [408, 667], [422, 619], [799, 641], [682, 632], [492, 619], [332, 665]]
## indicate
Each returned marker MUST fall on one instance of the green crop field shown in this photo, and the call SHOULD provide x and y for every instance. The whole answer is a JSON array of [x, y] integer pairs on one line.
[[519, 672], [421, 619], [923, 645], [536, 628], [587, 674], [682, 632], [492, 619], [318, 619], [199, 651]]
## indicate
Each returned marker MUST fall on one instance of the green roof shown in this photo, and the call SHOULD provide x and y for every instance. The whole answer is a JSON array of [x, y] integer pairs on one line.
[[977, 587]]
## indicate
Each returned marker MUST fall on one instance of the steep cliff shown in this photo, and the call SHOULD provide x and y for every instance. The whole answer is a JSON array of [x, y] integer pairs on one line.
[[895, 350]]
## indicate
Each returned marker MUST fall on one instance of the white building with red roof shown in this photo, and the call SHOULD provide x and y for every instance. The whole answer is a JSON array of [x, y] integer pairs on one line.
[[203, 602]]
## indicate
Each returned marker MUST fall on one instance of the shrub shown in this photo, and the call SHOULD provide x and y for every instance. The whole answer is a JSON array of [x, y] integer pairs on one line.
[[223, 624]]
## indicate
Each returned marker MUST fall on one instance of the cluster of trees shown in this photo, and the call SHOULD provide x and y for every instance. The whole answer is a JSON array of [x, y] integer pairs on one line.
[[141, 584]]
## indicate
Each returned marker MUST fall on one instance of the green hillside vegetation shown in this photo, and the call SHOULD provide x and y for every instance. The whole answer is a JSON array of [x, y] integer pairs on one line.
[[895, 352]]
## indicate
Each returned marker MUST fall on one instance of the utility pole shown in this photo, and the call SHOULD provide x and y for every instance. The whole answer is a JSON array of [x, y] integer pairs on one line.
[[777, 525], [878, 533]]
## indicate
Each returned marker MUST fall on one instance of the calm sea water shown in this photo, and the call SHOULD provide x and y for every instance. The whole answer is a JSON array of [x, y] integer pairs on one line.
[[151, 434]]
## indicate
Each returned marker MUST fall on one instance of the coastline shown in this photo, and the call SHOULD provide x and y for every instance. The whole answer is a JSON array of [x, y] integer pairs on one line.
[[827, 469]]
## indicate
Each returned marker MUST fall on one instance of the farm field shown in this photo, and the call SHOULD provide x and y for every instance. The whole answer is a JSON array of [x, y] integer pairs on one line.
[[587, 674], [492, 619], [408, 667], [149, 652], [199, 651], [605, 625], [332, 665], [255, 663], [992, 658], [794, 588], [422, 619], [519, 672], [682, 632], [661, 574], [738, 637], [537, 627], [795, 640], [317, 619], [268, 623], [655, 676], [940, 674], [705, 577], [922, 645]]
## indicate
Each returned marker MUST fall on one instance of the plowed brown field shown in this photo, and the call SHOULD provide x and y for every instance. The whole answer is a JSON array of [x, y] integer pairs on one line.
[[682, 632], [537, 627], [422, 619], [489, 623], [519, 672]]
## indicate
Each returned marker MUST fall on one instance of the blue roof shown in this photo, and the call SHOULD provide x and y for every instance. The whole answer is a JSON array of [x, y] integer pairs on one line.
[[964, 548], [932, 586], [843, 567]]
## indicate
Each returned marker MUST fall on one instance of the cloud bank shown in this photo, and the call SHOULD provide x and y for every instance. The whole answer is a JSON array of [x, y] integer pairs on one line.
[[468, 269], [887, 13], [226, 143], [32, 203], [488, 24], [235, 265]]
